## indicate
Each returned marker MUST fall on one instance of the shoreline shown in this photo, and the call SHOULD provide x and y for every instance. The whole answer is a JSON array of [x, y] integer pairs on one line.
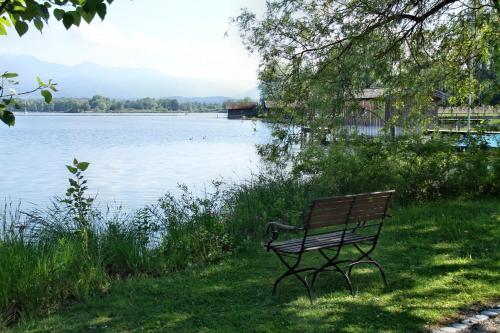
[[20, 113]]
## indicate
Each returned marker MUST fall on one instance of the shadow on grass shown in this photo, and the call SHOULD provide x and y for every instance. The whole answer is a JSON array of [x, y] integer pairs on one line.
[[438, 257]]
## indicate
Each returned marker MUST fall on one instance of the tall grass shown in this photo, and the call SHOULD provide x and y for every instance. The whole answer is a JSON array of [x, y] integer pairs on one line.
[[38, 272], [265, 198]]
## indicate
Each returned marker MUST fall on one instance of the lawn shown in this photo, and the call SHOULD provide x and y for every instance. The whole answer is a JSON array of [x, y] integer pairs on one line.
[[440, 258]]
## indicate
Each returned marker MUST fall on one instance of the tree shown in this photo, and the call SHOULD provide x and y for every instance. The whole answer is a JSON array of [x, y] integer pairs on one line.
[[99, 103], [21, 14], [316, 55]]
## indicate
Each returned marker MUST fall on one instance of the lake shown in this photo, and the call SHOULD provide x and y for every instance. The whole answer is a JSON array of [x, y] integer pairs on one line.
[[135, 158]]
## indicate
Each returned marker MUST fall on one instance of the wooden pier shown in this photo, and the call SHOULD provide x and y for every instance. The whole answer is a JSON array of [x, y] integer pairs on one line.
[[455, 131]]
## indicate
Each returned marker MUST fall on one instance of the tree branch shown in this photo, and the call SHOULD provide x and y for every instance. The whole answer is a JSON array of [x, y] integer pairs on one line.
[[23, 93]]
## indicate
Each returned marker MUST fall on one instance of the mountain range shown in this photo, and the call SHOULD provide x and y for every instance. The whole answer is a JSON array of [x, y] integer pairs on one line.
[[89, 79]]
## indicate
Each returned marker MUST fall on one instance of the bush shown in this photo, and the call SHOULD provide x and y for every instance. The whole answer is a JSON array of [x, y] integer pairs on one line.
[[417, 167], [194, 229]]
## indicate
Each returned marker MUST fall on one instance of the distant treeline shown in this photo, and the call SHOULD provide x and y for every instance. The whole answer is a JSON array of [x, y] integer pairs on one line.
[[105, 104]]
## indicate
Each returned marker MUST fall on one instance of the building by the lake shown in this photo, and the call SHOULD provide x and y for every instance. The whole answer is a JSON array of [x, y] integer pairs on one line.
[[240, 110]]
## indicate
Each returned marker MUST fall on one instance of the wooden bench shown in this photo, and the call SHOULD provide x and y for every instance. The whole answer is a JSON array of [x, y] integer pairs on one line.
[[329, 225]]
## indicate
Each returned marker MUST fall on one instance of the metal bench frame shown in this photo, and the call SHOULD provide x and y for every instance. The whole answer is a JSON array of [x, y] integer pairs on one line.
[[348, 220]]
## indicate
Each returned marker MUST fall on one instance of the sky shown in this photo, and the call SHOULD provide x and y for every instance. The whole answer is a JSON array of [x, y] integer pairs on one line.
[[181, 38]]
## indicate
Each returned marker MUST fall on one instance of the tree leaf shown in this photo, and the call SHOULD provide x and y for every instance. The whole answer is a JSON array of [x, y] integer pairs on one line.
[[71, 169], [83, 166], [44, 10], [4, 22], [38, 24], [47, 95], [88, 16], [101, 10], [76, 18], [67, 20], [90, 6], [7, 117], [58, 13], [21, 27], [9, 75]]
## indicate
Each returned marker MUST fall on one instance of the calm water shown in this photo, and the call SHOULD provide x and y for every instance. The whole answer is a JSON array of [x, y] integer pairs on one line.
[[134, 158]]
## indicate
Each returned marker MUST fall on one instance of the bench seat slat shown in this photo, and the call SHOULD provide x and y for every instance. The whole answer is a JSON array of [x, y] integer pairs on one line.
[[332, 204], [325, 220], [319, 242], [333, 213], [365, 216], [335, 234]]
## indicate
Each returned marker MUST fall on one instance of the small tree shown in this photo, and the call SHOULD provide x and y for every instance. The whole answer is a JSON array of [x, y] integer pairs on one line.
[[79, 205]]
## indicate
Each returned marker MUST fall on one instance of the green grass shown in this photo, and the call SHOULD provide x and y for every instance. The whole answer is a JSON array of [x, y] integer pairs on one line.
[[439, 257]]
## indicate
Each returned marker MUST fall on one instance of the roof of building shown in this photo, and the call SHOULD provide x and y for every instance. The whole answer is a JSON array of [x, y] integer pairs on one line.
[[240, 105], [365, 94], [370, 93]]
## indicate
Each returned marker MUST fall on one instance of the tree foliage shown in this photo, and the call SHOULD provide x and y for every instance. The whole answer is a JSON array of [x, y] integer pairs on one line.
[[316, 55], [23, 14], [105, 104]]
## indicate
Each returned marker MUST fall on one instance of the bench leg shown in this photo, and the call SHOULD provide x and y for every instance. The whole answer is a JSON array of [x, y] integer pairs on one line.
[[292, 271], [372, 262], [331, 263], [369, 261]]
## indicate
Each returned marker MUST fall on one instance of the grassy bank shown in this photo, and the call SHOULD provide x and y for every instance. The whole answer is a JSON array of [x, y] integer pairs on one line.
[[440, 258], [72, 251]]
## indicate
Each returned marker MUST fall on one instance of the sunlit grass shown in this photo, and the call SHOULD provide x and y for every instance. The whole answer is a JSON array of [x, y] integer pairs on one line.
[[439, 258]]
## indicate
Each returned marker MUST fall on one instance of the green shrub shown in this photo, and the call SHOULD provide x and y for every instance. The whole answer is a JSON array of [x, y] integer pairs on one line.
[[194, 229], [417, 167]]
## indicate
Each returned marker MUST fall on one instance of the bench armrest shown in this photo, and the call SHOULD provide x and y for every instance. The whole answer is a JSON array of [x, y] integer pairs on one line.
[[273, 228], [279, 225]]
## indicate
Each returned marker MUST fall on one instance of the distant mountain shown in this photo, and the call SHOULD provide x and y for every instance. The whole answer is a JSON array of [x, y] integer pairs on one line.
[[208, 100], [88, 79]]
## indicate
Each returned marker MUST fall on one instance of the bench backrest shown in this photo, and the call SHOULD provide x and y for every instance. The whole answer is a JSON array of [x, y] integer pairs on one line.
[[326, 212]]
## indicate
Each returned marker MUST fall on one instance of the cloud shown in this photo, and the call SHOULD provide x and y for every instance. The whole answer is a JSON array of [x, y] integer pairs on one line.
[[220, 59], [183, 39]]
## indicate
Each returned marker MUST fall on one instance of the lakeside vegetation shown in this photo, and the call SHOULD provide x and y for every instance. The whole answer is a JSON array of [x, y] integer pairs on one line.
[[104, 104], [71, 251], [440, 258]]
